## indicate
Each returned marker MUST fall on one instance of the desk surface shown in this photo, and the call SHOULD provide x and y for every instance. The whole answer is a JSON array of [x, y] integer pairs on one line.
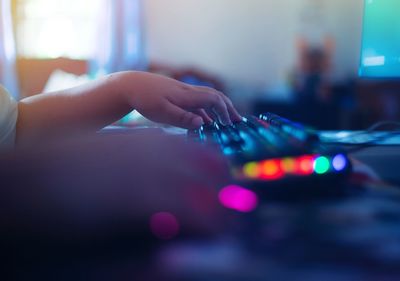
[[356, 237], [350, 238], [384, 160]]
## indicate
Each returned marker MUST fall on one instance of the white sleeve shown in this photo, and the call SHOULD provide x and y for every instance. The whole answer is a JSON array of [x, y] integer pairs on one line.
[[8, 119]]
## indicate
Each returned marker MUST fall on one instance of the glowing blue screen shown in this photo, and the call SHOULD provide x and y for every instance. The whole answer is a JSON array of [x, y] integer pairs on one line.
[[380, 53]]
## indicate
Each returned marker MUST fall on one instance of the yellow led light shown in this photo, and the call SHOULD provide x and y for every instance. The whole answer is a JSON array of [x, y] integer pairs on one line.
[[251, 170], [288, 165]]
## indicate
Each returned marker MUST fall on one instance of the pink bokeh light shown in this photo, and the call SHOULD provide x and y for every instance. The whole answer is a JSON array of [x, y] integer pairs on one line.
[[164, 225], [238, 198]]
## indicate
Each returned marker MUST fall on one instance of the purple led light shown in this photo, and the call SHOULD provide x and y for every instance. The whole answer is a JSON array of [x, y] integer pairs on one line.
[[339, 162]]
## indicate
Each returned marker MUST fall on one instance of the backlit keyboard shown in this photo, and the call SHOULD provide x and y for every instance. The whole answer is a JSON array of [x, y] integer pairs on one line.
[[270, 151]]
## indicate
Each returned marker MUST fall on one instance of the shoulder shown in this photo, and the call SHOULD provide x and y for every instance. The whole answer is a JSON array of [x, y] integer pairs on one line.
[[8, 119]]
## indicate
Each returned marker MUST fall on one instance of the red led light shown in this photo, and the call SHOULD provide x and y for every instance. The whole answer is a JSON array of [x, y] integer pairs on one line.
[[305, 165], [275, 169]]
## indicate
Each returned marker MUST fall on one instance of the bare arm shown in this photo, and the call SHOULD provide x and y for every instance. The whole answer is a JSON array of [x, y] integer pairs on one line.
[[92, 106], [84, 108]]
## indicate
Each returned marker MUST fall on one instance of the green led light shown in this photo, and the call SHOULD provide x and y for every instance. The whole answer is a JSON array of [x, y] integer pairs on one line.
[[321, 165]]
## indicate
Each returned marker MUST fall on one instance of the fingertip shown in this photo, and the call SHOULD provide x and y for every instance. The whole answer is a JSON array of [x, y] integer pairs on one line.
[[226, 123], [234, 114], [224, 120], [222, 116], [237, 117], [203, 114], [197, 122], [207, 120]]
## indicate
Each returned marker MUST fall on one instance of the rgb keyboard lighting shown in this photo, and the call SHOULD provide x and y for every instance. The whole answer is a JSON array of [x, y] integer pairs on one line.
[[274, 169], [339, 162], [321, 165]]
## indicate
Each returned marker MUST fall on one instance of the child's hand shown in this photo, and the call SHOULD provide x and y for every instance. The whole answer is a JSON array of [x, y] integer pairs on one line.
[[166, 100], [92, 106]]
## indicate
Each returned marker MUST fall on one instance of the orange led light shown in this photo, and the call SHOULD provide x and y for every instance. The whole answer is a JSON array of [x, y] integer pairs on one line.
[[271, 170]]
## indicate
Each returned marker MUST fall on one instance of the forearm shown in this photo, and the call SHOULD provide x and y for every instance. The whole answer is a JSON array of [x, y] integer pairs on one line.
[[86, 108], [92, 106]]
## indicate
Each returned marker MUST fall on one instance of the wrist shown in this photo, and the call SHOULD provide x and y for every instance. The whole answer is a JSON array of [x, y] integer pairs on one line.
[[125, 86]]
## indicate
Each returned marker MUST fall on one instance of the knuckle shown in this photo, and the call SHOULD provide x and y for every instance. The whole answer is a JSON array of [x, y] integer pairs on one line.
[[214, 99], [228, 101], [220, 93], [204, 88], [225, 98], [186, 87], [163, 106], [185, 117], [207, 90], [215, 92], [221, 101]]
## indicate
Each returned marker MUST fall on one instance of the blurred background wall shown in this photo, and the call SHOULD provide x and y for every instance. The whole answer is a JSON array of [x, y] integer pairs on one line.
[[252, 41], [247, 42], [297, 58]]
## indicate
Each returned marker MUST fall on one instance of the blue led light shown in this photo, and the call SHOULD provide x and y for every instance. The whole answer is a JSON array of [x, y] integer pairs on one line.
[[228, 151], [339, 162]]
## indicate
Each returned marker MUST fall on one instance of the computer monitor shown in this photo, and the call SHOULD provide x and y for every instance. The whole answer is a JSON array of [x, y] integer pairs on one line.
[[380, 52]]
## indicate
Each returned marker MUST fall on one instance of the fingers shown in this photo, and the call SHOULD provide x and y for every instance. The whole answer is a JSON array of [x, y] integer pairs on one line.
[[212, 103], [233, 114], [206, 118], [182, 118], [195, 99]]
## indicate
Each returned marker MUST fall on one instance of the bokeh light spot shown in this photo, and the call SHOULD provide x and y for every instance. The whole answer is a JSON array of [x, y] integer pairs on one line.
[[164, 225], [306, 165], [251, 170], [321, 165], [339, 162], [238, 198], [288, 165], [271, 170]]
